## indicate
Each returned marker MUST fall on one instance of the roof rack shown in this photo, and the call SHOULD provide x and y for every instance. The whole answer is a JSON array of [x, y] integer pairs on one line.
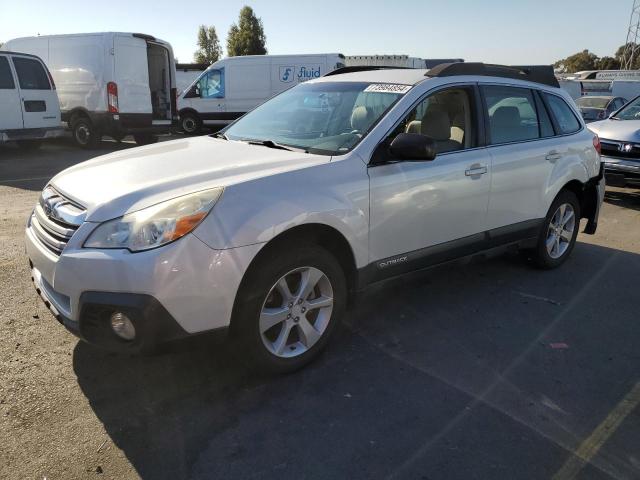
[[533, 73], [361, 68]]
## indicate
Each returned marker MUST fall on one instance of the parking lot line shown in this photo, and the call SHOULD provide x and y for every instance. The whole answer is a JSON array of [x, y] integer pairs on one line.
[[482, 397], [590, 447]]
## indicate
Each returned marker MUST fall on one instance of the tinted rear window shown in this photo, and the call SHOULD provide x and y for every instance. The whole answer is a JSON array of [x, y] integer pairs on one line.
[[6, 79], [566, 120], [31, 74]]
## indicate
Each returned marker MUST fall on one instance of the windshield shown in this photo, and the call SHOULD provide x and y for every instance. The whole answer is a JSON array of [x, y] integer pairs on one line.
[[593, 102], [328, 118], [631, 111]]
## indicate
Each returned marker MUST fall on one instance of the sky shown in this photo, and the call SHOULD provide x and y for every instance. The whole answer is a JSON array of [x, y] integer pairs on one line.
[[493, 31]]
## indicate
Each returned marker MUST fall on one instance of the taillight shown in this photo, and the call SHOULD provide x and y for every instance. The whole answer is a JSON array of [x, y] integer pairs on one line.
[[112, 97], [596, 144]]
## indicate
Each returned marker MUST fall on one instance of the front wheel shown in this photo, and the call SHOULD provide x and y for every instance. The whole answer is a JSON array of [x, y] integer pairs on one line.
[[190, 123], [289, 307], [559, 232]]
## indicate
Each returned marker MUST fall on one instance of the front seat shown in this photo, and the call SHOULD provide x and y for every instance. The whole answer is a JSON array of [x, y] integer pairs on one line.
[[506, 125], [436, 124], [360, 119]]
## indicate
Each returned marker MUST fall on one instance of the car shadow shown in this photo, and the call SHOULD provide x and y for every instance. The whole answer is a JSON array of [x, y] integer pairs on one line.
[[623, 197], [446, 373]]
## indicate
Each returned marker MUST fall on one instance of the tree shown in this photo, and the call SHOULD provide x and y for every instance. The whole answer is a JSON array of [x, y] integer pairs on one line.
[[209, 50], [628, 47], [607, 63], [584, 60], [247, 36]]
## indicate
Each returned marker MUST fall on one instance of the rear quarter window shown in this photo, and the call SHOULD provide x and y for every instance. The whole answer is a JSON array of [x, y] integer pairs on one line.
[[6, 78], [563, 114], [31, 74]]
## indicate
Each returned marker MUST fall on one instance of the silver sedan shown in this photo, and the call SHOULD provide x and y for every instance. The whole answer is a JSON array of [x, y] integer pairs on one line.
[[620, 142]]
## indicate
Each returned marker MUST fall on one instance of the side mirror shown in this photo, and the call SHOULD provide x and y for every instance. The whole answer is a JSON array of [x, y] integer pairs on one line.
[[413, 147]]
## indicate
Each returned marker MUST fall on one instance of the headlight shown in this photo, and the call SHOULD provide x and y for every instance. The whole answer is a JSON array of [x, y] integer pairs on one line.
[[156, 225]]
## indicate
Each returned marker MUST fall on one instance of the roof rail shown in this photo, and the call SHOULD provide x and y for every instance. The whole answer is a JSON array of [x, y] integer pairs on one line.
[[361, 68], [533, 73]]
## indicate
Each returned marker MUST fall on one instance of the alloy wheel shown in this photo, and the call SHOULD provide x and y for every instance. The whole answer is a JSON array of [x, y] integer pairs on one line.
[[296, 312], [560, 231]]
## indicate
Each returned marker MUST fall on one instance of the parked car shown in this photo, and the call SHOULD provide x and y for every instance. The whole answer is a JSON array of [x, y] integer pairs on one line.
[[29, 109], [232, 86], [110, 83], [620, 140], [268, 227], [595, 108]]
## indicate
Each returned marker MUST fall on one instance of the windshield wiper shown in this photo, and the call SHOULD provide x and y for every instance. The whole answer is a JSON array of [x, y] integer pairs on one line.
[[279, 146], [614, 118], [220, 135]]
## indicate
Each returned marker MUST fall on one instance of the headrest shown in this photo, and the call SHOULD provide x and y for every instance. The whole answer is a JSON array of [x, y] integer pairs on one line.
[[435, 123], [360, 118], [506, 116]]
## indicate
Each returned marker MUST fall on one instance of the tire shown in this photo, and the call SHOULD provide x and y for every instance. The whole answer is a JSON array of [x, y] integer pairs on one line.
[[145, 138], [262, 347], [558, 233], [85, 134], [190, 123], [29, 145]]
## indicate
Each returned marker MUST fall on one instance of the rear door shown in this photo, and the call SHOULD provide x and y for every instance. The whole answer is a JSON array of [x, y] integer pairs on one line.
[[131, 74], [10, 105], [40, 107], [524, 152]]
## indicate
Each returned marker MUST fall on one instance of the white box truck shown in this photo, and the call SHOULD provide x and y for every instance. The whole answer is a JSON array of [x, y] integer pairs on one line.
[[109, 83], [232, 86]]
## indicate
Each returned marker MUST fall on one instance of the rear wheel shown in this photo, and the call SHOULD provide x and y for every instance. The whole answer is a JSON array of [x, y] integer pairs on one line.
[[190, 123], [559, 232], [145, 138], [289, 307], [29, 145], [85, 134]]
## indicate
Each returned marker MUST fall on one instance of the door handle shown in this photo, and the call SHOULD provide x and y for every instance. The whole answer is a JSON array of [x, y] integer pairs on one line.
[[553, 156], [475, 170]]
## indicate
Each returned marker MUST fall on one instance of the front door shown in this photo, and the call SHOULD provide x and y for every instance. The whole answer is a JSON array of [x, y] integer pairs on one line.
[[10, 104], [208, 97], [423, 212], [40, 108]]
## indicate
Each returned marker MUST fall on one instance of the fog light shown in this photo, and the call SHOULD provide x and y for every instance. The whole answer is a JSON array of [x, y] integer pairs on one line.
[[122, 326]]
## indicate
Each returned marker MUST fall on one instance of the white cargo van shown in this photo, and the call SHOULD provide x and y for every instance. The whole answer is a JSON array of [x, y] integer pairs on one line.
[[29, 109], [232, 86], [109, 83]]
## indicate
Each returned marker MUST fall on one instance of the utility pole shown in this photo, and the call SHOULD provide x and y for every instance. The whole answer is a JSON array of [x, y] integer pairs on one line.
[[631, 47]]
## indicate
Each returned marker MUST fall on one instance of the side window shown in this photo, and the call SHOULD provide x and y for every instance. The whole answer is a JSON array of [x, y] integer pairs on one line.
[[512, 114], [212, 84], [546, 127], [445, 116], [6, 77], [566, 120], [31, 74]]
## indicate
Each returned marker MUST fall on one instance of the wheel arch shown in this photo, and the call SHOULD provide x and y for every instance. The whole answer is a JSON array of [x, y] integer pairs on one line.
[[587, 194], [319, 234]]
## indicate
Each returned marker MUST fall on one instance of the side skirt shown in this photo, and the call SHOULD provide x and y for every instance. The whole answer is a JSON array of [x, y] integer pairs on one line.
[[523, 234]]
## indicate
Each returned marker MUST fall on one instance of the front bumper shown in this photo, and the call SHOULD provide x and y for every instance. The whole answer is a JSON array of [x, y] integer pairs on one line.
[[621, 171], [177, 290]]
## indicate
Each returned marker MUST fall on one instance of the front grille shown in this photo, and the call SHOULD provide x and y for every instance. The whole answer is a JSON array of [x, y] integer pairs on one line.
[[614, 148], [55, 220]]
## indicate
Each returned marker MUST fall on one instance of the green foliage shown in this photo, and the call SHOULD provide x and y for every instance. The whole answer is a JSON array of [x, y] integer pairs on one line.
[[608, 63], [209, 49], [247, 36], [584, 60]]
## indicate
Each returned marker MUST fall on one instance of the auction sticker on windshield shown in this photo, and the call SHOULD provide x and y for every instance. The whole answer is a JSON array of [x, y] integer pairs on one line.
[[388, 88]]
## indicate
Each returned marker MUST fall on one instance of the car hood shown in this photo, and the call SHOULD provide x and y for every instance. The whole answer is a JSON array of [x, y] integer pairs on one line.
[[623, 130], [121, 182]]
